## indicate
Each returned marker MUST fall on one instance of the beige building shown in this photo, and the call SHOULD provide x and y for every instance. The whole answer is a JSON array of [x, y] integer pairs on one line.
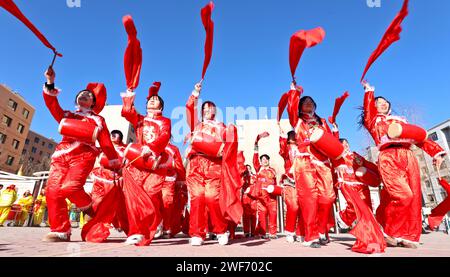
[[115, 121], [36, 154], [16, 115]]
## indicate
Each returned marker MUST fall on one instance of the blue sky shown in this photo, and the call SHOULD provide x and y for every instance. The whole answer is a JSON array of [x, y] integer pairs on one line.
[[249, 66]]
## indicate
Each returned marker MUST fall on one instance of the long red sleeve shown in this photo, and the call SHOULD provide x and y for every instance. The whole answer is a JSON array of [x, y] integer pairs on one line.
[[431, 148], [52, 103], [256, 163], [129, 111], [104, 140], [162, 139], [370, 110], [284, 153], [192, 112]]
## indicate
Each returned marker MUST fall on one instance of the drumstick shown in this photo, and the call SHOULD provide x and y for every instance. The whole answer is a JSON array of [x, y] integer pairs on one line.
[[137, 158], [54, 58]]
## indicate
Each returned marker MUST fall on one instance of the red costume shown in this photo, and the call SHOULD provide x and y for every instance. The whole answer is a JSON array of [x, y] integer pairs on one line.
[[108, 202], [153, 132], [203, 176], [353, 161], [313, 179], [176, 175], [249, 203], [293, 213], [399, 170], [369, 237], [267, 203], [72, 161]]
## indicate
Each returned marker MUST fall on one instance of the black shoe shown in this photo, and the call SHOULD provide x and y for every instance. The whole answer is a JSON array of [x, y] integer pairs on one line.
[[273, 237], [315, 245]]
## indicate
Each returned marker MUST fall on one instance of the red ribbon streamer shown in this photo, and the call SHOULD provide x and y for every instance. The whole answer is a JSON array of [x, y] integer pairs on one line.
[[301, 40], [12, 8], [391, 35], [133, 54], [337, 106], [290, 99], [209, 28]]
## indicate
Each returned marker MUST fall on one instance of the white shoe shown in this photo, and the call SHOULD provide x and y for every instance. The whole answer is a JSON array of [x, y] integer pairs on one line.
[[159, 231], [134, 239], [196, 241], [290, 237], [300, 238], [223, 239]]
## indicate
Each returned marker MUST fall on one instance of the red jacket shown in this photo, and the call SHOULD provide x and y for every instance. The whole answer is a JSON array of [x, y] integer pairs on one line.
[[265, 176], [378, 124], [151, 130], [213, 128], [174, 164], [70, 144], [303, 131]]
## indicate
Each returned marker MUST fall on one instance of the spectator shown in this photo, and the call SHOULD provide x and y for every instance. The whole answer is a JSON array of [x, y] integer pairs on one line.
[[7, 198]]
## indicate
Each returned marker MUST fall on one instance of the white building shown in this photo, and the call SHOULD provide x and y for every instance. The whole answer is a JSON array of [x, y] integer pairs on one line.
[[115, 121]]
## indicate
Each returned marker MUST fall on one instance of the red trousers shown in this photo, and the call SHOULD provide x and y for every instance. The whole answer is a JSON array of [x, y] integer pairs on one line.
[[267, 206], [249, 215], [168, 192], [204, 183], [180, 217], [68, 174], [316, 195], [401, 178], [349, 215], [293, 213]]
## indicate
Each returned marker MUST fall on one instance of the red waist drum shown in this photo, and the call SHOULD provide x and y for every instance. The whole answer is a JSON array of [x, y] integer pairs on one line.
[[82, 130], [133, 153], [207, 144], [327, 144], [407, 131]]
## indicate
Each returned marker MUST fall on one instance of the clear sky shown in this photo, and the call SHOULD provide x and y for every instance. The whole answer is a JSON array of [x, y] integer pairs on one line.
[[249, 67]]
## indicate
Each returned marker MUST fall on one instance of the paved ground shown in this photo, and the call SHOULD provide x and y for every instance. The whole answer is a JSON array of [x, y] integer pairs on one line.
[[25, 241]]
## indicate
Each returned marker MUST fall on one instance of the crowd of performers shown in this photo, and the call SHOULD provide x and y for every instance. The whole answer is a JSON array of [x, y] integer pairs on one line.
[[143, 188]]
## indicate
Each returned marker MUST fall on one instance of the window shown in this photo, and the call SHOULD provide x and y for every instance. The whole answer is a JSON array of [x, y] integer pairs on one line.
[[428, 184], [40, 153], [6, 120], [43, 143], [48, 155], [27, 141], [20, 128], [12, 104], [431, 198], [433, 136], [33, 149], [25, 113], [24, 151], [31, 159], [10, 160], [36, 140], [50, 146], [2, 138], [15, 143]]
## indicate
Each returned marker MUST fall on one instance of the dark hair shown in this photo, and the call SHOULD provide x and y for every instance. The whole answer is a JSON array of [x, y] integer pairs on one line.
[[210, 103], [93, 96], [343, 139], [291, 135], [113, 132], [264, 155], [361, 116], [300, 104], [160, 101]]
